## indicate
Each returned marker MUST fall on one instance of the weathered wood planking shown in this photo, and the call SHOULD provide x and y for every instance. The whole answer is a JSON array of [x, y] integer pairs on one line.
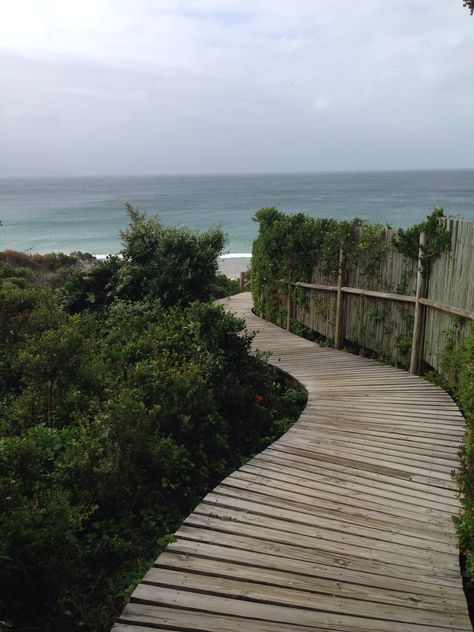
[[385, 326], [451, 282], [343, 524]]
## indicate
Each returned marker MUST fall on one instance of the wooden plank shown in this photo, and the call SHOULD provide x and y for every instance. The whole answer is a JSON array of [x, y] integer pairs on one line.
[[328, 549], [140, 615], [358, 292], [406, 486], [313, 286], [400, 453], [288, 480], [369, 525], [418, 325], [237, 588], [215, 567], [148, 595], [401, 580], [347, 511], [449, 309], [338, 327], [347, 487], [384, 295]]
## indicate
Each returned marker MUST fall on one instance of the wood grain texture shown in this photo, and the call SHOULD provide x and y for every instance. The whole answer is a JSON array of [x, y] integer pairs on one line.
[[379, 307], [343, 524]]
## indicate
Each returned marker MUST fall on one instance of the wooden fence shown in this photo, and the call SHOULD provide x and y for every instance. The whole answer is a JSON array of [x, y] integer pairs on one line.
[[397, 312]]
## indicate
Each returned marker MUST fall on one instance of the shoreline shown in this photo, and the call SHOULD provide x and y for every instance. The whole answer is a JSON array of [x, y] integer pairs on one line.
[[230, 255], [230, 264], [233, 265]]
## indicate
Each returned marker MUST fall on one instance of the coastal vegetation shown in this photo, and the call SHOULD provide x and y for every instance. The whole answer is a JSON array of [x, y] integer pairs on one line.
[[458, 364], [125, 395], [289, 247], [51, 270]]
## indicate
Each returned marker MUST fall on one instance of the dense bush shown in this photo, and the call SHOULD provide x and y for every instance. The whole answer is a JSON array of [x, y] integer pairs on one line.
[[116, 415], [437, 236], [52, 269], [288, 247], [458, 365], [172, 265]]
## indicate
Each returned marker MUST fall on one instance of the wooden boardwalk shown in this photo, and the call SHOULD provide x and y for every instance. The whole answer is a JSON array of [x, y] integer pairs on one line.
[[342, 524]]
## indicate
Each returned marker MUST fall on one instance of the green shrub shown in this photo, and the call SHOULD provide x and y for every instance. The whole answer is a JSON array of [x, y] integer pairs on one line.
[[169, 264], [289, 246], [116, 416], [458, 367], [438, 239], [50, 270]]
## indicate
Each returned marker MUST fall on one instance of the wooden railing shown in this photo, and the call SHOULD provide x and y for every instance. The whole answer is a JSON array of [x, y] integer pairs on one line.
[[415, 355], [449, 309], [450, 277]]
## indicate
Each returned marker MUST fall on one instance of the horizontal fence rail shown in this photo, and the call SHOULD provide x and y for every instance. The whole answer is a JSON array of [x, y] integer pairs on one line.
[[449, 309]]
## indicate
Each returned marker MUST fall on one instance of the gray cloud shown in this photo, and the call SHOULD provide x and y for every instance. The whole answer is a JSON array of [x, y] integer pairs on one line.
[[110, 86]]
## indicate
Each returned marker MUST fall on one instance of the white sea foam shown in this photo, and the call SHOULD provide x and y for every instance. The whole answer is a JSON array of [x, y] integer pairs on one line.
[[230, 255], [237, 255], [102, 257]]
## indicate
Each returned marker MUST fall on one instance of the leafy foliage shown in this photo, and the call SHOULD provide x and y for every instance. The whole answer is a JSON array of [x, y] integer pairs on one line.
[[458, 367], [169, 264], [51, 270], [223, 287], [438, 239], [93, 288], [173, 265], [470, 5], [116, 415], [288, 247], [283, 251]]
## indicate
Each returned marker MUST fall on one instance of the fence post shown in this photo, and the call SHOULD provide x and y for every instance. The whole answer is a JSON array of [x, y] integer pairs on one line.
[[288, 302], [418, 324], [242, 281], [338, 335]]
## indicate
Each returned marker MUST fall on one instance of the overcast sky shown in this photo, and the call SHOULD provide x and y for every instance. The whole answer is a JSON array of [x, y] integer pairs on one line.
[[207, 86]]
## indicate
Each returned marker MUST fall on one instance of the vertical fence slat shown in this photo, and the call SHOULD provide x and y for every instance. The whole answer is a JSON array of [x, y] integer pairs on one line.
[[338, 334], [416, 347], [288, 301]]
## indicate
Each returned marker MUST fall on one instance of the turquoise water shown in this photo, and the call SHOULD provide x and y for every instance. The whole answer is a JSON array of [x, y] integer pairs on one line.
[[66, 214]]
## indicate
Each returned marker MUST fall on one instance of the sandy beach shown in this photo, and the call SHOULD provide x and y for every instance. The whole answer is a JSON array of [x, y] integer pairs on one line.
[[232, 266]]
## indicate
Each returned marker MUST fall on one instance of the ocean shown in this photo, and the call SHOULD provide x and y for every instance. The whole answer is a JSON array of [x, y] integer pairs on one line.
[[87, 213]]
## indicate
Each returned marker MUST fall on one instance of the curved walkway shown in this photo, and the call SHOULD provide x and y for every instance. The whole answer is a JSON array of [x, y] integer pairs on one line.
[[342, 524]]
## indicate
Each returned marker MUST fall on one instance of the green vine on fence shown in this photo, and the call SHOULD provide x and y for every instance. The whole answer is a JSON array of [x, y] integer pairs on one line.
[[289, 246], [285, 251], [438, 238]]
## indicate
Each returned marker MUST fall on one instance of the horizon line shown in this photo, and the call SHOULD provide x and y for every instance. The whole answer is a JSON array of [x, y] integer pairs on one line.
[[233, 173]]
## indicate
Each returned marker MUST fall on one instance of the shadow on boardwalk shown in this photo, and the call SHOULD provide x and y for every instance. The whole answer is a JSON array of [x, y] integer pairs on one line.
[[342, 524]]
